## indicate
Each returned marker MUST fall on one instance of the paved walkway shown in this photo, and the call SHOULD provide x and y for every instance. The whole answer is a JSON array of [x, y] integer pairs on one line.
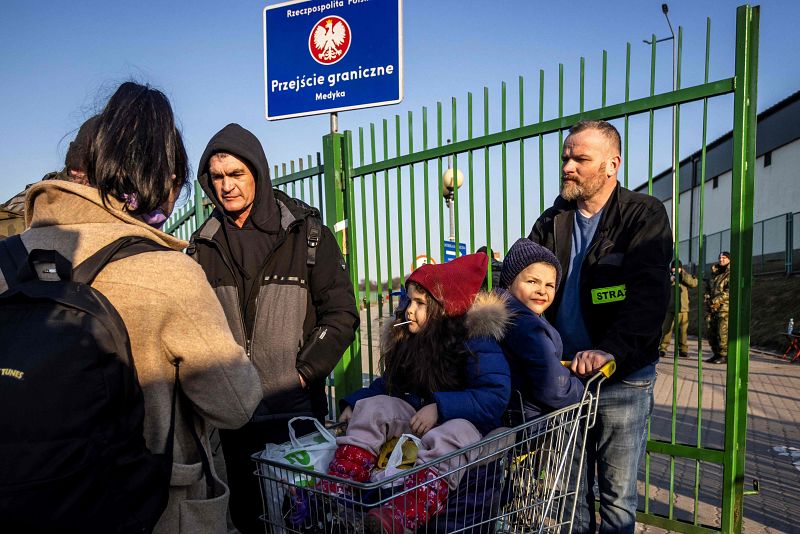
[[773, 442]]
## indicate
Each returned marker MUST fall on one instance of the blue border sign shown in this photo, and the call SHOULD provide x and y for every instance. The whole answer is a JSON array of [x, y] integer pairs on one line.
[[450, 250], [322, 56]]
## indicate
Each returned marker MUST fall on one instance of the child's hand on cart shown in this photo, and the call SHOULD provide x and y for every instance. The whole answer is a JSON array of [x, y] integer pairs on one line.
[[425, 419]]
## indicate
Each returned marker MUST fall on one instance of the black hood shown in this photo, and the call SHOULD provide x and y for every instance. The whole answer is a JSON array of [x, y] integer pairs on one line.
[[241, 143]]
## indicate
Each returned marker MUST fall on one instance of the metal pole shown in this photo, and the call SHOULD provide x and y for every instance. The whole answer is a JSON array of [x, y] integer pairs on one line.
[[452, 218], [743, 179], [338, 155], [334, 122], [674, 165], [449, 199]]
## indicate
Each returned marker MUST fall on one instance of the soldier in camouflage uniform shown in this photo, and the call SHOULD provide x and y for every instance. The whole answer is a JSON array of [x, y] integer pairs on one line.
[[686, 281], [12, 213], [716, 300]]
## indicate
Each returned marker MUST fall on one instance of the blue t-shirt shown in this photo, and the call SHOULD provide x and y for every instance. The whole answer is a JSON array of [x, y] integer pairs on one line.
[[569, 319]]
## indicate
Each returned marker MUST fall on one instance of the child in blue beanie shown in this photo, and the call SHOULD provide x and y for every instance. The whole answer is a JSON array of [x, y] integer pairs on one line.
[[530, 277]]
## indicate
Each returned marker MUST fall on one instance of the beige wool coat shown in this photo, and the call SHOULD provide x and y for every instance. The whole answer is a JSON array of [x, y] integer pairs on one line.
[[170, 312]]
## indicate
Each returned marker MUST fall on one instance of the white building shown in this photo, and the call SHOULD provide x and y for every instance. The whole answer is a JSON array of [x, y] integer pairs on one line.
[[776, 232]]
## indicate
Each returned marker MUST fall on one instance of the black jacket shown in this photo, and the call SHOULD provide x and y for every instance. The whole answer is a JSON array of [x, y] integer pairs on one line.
[[624, 282], [303, 316]]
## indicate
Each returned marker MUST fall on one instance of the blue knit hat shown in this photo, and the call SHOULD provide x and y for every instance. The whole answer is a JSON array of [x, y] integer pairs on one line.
[[523, 253]]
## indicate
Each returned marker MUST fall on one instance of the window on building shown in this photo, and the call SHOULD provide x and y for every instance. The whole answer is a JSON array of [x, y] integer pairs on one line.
[[715, 182], [768, 159]]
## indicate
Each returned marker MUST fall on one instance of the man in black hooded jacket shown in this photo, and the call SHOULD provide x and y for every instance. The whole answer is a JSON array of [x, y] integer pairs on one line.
[[281, 279]]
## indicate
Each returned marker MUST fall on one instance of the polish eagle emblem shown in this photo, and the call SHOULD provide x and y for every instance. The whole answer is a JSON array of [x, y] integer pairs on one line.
[[329, 40]]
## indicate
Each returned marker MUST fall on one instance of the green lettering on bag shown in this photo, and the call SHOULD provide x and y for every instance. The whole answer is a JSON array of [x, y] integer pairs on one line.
[[604, 295], [298, 457]]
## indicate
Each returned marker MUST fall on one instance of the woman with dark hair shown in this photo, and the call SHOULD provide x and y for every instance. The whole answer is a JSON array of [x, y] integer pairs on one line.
[[137, 167], [137, 154]]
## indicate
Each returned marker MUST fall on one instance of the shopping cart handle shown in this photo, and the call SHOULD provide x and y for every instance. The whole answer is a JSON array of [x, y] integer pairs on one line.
[[607, 370]]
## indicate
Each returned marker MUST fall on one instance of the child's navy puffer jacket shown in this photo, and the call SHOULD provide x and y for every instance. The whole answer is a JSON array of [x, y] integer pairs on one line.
[[534, 351]]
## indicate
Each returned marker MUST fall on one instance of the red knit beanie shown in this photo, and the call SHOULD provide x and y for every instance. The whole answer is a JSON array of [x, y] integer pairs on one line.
[[453, 284]]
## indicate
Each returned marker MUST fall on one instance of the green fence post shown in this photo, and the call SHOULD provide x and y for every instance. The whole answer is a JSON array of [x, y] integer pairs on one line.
[[338, 158], [744, 159], [199, 216]]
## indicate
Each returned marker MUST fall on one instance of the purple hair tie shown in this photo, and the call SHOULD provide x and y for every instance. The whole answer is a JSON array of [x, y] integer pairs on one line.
[[155, 218]]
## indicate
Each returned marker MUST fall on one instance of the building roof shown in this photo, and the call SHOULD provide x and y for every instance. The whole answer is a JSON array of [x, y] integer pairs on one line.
[[777, 126]]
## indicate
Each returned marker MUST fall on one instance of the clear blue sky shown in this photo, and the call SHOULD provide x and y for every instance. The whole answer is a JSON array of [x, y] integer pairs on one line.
[[61, 60]]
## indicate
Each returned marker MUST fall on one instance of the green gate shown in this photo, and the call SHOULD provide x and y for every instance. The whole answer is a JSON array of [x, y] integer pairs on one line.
[[378, 198]]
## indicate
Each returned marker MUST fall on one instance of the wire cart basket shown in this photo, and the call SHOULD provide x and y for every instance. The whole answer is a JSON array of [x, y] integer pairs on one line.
[[515, 480]]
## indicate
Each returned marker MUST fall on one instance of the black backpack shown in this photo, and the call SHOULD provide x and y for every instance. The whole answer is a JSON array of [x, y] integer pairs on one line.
[[72, 452]]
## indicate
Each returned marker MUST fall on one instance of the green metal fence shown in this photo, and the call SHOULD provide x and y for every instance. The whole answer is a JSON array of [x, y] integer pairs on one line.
[[380, 190], [186, 219], [776, 246]]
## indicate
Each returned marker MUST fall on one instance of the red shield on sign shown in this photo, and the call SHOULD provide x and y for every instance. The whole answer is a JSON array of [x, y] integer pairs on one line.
[[329, 40]]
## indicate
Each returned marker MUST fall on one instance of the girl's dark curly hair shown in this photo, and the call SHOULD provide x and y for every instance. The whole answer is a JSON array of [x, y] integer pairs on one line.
[[435, 359]]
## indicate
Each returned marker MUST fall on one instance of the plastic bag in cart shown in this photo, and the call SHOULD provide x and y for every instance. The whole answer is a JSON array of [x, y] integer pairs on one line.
[[402, 457], [311, 453]]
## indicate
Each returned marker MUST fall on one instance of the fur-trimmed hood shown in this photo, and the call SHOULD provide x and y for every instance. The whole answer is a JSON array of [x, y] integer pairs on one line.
[[489, 316]]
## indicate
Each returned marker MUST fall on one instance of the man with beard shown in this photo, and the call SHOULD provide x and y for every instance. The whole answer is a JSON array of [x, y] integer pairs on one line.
[[615, 245]]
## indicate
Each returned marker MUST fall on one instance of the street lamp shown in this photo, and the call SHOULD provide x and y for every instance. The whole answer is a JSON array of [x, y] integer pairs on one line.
[[676, 192], [665, 11], [449, 184]]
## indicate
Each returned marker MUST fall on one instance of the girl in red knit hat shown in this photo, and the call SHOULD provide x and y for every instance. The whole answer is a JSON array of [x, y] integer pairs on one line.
[[444, 379]]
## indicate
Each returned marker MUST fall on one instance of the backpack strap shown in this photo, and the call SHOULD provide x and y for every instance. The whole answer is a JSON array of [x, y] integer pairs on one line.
[[313, 223], [13, 256], [313, 234], [121, 248], [313, 228]]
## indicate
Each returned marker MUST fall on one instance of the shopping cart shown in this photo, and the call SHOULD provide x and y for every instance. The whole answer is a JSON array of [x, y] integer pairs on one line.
[[515, 480]]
